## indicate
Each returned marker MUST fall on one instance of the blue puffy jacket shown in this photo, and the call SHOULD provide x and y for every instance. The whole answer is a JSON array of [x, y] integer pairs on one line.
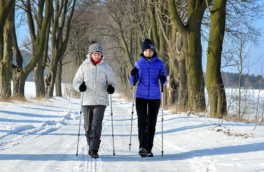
[[148, 77]]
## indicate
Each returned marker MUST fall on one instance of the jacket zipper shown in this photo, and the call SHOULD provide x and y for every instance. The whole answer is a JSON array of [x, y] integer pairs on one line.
[[149, 79], [95, 84]]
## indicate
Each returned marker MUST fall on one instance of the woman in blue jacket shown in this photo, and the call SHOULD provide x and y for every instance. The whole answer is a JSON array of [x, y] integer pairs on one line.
[[148, 70]]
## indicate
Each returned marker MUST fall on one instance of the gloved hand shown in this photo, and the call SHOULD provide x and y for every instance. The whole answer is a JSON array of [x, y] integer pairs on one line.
[[110, 89], [82, 87], [162, 79], [134, 71]]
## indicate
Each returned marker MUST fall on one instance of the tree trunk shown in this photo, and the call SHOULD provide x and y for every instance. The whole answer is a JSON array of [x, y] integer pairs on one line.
[[239, 93], [7, 57], [58, 79], [191, 34], [39, 79], [182, 76], [20, 74], [49, 82], [193, 63], [18, 85], [214, 82], [58, 44], [183, 92], [172, 78], [6, 7]]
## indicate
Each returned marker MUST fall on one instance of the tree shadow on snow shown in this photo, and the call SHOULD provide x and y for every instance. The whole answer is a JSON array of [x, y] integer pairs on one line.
[[182, 129], [43, 109], [29, 114], [20, 120], [157, 157]]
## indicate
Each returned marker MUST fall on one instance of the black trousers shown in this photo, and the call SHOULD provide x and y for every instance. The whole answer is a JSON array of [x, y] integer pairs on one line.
[[93, 118], [147, 112]]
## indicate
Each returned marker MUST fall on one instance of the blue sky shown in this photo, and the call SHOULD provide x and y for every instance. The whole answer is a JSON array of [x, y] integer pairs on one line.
[[257, 55]]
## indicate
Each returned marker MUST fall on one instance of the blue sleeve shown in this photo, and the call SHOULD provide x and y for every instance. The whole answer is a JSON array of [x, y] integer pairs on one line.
[[131, 79], [163, 71]]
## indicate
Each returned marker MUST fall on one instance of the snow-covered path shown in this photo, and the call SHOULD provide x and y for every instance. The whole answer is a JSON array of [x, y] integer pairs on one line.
[[56, 150], [42, 136]]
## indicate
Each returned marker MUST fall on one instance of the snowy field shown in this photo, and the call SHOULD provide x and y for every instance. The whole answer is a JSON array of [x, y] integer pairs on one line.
[[251, 103], [41, 136]]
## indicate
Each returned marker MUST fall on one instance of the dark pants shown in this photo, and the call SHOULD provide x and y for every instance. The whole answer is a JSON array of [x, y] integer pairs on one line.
[[147, 112], [93, 118]]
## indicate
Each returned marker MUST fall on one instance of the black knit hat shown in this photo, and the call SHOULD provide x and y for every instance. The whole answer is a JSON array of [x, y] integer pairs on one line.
[[148, 44]]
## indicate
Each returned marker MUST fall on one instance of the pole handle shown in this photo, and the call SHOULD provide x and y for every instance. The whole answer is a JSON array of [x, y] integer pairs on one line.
[[161, 84], [135, 80]]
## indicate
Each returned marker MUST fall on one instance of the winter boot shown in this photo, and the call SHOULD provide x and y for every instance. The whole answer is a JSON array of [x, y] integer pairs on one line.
[[89, 151], [142, 152], [94, 154], [149, 154]]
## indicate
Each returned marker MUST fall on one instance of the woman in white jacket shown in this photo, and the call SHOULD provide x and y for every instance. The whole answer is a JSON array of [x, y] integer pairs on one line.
[[96, 80]]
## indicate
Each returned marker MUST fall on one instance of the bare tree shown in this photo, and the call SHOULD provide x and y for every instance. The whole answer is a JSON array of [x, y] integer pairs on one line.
[[241, 61], [191, 34], [38, 30], [214, 82], [58, 43], [84, 30], [127, 28], [6, 25]]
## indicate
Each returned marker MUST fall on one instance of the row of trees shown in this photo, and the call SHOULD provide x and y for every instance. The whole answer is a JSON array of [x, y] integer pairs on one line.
[[177, 27], [49, 24], [249, 81]]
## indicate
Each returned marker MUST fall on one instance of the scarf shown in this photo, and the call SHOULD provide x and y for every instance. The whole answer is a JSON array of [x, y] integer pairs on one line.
[[96, 62]]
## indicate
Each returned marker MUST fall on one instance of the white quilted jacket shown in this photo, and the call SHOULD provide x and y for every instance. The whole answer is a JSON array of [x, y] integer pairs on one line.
[[96, 78]]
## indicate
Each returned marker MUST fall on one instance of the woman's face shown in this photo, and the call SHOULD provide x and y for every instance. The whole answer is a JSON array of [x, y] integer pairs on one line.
[[148, 53], [96, 55]]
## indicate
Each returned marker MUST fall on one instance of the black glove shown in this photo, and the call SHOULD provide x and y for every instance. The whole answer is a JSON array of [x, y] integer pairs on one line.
[[134, 71], [82, 87], [162, 79], [110, 89]]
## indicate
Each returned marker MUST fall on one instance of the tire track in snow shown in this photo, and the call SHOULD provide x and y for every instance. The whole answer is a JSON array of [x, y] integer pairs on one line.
[[24, 133], [16, 136]]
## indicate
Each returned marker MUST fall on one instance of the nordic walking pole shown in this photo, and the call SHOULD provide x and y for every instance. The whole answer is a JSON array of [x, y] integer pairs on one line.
[[132, 110], [79, 123], [162, 117], [112, 125]]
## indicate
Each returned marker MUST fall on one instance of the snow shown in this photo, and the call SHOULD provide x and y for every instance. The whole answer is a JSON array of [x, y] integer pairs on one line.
[[41, 135]]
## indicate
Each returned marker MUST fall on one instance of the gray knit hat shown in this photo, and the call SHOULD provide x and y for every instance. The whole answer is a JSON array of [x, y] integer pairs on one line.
[[95, 47]]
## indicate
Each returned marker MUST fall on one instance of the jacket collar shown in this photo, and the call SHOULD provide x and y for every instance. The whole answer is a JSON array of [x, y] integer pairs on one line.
[[152, 60], [88, 60]]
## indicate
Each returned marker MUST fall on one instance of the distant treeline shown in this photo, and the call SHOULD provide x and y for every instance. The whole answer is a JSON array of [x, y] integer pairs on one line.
[[249, 81]]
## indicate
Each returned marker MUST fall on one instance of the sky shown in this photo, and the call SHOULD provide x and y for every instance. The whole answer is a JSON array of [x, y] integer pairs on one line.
[[257, 55]]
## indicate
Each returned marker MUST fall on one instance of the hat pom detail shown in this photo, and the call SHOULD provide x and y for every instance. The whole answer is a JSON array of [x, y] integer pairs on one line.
[[147, 40]]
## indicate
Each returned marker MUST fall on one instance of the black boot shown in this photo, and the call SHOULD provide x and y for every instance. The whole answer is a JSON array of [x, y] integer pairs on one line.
[[89, 151], [94, 154], [149, 154], [142, 152]]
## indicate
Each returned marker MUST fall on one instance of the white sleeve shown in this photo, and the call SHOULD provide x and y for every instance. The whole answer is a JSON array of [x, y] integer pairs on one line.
[[110, 76], [78, 79]]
